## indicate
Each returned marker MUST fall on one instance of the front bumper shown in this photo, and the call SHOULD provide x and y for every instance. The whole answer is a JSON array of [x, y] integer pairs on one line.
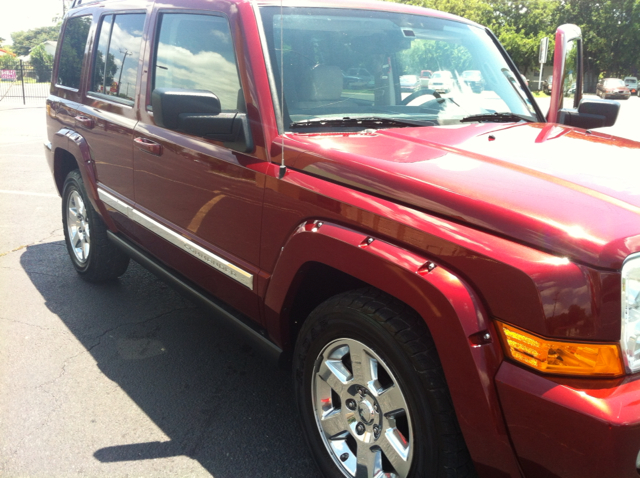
[[624, 96], [571, 428]]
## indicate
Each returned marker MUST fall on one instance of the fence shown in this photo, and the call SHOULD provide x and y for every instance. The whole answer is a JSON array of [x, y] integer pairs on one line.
[[26, 82]]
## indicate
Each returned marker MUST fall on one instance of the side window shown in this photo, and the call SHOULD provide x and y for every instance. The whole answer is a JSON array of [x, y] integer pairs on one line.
[[74, 41], [115, 67], [99, 65], [195, 52]]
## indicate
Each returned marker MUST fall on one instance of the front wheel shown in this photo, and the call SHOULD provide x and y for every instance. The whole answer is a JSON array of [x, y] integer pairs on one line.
[[94, 257], [371, 392]]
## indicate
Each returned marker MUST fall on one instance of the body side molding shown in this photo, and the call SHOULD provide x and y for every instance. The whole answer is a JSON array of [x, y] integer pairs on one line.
[[243, 277]]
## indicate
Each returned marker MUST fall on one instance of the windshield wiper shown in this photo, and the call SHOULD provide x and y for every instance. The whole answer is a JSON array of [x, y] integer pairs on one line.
[[364, 122], [496, 118]]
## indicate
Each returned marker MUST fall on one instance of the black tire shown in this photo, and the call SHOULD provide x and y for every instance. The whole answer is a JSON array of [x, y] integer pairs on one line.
[[404, 355], [94, 257]]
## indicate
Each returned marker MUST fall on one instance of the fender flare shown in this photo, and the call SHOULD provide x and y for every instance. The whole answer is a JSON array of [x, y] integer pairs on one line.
[[449, 306], [77, 146]]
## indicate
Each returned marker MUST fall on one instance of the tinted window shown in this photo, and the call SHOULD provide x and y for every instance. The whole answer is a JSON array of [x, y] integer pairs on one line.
[[99, 70], [74, 42], [115, 70], [195, 52]]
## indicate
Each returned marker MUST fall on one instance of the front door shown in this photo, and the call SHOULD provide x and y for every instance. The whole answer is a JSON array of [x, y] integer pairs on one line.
[[201, 199]]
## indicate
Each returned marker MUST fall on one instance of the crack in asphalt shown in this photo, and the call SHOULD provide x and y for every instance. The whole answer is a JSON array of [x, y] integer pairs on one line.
[[51, 234], [25, 323]]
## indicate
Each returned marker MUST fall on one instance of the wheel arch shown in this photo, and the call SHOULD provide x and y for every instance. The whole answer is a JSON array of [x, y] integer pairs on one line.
[[63, 163], [71, 151], [331, 259]]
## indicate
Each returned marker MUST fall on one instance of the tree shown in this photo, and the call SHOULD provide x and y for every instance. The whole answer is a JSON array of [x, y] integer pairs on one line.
[[8, 61], [478, 11], [611, 32], [521, 24], [24, 41], [72, 51], [42, 63]]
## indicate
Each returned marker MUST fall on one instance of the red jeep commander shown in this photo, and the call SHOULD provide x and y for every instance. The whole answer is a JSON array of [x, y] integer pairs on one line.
[[454, 277]]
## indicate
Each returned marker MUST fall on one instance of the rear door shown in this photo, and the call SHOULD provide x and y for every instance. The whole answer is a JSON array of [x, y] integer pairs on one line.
[[107, 115]]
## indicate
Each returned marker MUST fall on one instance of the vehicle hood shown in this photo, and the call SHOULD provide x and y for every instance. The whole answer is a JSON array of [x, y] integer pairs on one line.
[[559, 189]]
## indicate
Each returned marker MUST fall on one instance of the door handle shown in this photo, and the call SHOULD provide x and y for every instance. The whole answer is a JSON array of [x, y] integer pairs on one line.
[[85, 121], [148, 146]]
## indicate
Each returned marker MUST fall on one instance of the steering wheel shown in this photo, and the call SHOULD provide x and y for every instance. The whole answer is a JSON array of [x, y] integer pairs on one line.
[[419, 93]]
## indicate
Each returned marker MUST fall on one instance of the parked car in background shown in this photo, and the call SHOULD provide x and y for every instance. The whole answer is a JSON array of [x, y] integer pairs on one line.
[[473, 79], [453, 285], [612, 88], [547, 85], [441, 81], [631, 82], [409, 83], [525, 79], [424, 78]]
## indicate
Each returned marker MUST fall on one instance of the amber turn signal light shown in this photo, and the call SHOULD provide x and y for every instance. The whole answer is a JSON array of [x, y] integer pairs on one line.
[[562, 358]]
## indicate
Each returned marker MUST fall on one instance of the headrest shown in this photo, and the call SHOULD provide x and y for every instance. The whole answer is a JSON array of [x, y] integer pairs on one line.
[[324, 83]]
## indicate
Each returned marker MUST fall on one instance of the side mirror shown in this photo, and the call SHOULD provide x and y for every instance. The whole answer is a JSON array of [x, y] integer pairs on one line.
[[199, 113], [568, 77], [591, 113], [169, 104]]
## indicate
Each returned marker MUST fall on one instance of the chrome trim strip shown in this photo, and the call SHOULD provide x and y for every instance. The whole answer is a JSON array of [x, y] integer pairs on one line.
[[48, 145], [212, 260]]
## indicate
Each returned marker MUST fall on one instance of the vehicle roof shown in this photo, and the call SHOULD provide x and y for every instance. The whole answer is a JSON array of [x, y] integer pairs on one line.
[[77, 4], [365, 5], [378, 5]]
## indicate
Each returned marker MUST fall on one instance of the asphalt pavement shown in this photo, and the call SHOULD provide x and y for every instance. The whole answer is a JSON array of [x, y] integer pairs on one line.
[[122, 379], [127, 378]]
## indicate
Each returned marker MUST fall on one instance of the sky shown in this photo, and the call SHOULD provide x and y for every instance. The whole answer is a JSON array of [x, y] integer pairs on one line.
[[26, 14]]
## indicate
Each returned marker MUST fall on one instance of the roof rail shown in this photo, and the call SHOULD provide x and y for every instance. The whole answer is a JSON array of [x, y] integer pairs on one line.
[[79, 3]]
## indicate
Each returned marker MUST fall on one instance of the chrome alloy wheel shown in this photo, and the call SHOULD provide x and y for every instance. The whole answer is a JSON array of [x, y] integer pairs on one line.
[[361, 412], [78, 227]]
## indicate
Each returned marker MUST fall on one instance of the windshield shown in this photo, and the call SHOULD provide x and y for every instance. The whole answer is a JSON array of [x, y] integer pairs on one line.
[[342, 63]]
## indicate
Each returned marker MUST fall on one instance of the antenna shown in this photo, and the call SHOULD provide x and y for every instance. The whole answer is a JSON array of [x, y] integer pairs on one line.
[[283, 169]]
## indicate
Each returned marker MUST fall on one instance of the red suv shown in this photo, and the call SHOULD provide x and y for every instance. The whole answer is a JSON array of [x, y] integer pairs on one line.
[[453, 277]]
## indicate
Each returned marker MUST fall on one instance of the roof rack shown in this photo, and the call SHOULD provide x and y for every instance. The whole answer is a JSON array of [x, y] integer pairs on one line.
[[78, 3]]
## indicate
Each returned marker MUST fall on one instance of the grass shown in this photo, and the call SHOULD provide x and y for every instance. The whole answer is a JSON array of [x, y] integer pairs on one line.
[[539, 94]]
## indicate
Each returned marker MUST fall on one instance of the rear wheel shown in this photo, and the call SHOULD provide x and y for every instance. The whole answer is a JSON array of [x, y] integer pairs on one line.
[[93, 256], [371, 392]]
